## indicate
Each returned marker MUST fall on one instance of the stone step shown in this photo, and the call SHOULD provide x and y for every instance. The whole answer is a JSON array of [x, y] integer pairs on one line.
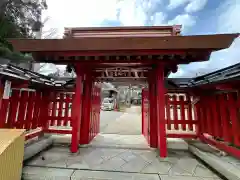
[[33, 148]]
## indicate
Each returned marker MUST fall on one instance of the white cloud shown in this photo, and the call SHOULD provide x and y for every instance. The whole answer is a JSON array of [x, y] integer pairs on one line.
[[195, 5], [131, 14], [82, 13], [226, 23], [176, 3], [192, 5], [185, 20], [230, 12], [78, 13], [90, 13], [159, 18]]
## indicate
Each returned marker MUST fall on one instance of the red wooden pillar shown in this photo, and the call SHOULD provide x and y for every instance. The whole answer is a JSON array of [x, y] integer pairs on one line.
[[152, 111], [76, 113], [86, 109], [162, 140]]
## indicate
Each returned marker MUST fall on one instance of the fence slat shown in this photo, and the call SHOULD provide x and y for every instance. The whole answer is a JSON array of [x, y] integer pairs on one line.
[[66, 113], [168, 115], [60, 107], [37, 106], [30, 109], [223, 110], [182, 111], [233, 116], [215, 117], [189, 111], [4, 112], [198, 118], [54, 109], [208, 109], [203, 114], [175, 112], [13, 109], [22, 109]]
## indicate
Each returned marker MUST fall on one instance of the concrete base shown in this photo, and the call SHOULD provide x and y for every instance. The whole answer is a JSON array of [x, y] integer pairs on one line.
[[226, 166], [177, 144], [31, 149]]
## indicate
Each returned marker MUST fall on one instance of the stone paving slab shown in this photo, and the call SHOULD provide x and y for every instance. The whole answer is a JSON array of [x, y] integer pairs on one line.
[[164, 177], [116, 156], [120, 141], [178, 163], [103, 175], [43, 173]]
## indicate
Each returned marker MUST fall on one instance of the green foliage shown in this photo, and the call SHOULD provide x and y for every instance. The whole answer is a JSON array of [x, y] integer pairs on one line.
[[17, 20]]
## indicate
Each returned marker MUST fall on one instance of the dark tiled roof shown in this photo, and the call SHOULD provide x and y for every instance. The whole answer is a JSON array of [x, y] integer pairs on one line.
[[12, 72], [223, 75]]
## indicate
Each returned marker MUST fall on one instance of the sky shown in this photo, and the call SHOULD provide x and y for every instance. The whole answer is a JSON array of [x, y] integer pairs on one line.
[[196, 17]]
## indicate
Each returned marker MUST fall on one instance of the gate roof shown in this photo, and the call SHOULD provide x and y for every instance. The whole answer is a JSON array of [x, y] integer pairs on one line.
[[124, 44]]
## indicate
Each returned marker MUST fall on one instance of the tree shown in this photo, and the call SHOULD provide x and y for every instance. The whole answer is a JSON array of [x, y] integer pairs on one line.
[[18, 19]]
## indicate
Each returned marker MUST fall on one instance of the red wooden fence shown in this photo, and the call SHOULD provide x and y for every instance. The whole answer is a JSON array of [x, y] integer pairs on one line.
[[23, 110], [59, 113], [180, 116], [219, 121], [40, 112], [95, 113]]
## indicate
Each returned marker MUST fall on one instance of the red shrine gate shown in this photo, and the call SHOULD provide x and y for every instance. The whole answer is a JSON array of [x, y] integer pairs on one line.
[[153, 51]]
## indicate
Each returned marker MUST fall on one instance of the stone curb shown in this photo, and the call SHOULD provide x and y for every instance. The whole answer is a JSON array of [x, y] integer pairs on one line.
[[224, 168], [34, 148]]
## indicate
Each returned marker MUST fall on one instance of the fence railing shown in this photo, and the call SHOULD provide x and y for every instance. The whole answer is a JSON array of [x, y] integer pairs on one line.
[[95, 113], [22, 110], [40, 112], [180, 115], [59, 112], [219, 121]]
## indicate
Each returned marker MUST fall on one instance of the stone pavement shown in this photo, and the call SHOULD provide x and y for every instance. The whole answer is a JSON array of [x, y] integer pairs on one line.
[[116, 157], [107, 117], [126, 124], [111, 162], [119, 141]]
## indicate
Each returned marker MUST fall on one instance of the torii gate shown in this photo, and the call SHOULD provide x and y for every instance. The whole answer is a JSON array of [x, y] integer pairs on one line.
[[153, 51]]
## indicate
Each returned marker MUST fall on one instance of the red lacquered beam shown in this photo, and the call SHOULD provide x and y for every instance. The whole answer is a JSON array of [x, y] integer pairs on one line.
[[33, 135]]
